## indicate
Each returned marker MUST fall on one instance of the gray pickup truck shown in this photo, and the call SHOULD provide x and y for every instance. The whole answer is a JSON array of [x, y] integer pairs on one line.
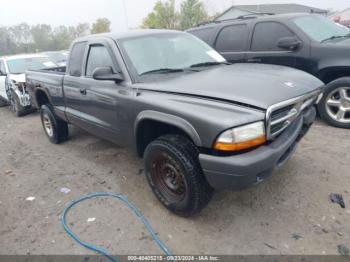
[[199, 123]]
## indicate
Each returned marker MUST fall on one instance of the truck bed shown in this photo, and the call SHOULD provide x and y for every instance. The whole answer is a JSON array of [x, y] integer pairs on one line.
[[49, 81]]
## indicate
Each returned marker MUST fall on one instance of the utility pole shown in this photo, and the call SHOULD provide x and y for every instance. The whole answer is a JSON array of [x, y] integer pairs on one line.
[[126, 15]]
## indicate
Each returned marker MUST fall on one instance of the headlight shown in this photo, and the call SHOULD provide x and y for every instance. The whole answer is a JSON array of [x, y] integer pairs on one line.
[[241, 138]]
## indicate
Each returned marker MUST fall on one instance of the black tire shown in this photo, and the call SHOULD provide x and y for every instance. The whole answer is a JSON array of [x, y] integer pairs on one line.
[[59, 127], [15, 105], [178, 157], [324, 110], [3, 102]]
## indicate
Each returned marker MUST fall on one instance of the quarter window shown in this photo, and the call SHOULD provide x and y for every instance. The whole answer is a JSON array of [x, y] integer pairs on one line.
[[98, 57], [267, 34], [232, 38], [76, 59]]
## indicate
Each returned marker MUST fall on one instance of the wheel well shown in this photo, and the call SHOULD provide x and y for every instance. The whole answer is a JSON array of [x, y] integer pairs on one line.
[[41, 98], [150, 130], [330, 75]]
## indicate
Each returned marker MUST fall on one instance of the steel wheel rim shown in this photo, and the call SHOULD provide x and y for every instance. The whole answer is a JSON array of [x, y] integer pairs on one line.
[[338, 104], [168, 178], [47, 125]]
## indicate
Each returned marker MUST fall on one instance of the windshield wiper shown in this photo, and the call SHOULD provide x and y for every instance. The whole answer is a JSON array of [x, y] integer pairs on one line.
[[163, 71], [335, 37], [209, 64]]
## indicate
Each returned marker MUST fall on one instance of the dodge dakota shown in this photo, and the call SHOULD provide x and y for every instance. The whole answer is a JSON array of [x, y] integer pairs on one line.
[[198, 122]]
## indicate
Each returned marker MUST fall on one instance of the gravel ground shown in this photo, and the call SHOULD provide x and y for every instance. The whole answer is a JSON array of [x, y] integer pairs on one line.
[[289, 214]]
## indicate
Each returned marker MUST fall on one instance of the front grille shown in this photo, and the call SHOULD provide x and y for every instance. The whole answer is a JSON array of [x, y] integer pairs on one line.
[[282, 115]]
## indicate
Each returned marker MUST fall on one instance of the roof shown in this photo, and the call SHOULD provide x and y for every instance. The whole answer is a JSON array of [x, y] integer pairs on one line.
[[279, 17], [131, 34], [276, 9], [22, 56]]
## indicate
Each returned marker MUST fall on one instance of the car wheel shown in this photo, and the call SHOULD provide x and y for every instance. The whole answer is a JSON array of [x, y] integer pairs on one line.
[[55, 128], [15, 105], [334, 106], [3, 103], [175, 176]]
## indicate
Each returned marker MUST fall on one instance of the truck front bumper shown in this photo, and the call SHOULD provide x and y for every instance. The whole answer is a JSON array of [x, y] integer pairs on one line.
[[248, 169]]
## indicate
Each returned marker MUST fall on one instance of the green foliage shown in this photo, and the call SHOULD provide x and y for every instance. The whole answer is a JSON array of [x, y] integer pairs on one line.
[[102, 25], [23, 38], [164, 15], [192, 13]]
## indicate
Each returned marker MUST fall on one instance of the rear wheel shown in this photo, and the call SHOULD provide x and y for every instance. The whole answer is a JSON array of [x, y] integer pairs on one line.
[[55, 128], [335, 104], [175, 176]]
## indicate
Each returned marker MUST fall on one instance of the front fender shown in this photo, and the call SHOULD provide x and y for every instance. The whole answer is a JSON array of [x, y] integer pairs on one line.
[[171, 120]]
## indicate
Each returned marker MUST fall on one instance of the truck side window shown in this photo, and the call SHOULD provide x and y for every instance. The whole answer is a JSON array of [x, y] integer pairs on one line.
[[98, 57], [232, 38], [267, 34], [76, 59]]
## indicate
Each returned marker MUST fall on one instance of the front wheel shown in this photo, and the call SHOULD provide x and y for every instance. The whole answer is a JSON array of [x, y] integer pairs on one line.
[[55, 128], [334, 107], [15, 105], [175, 176]]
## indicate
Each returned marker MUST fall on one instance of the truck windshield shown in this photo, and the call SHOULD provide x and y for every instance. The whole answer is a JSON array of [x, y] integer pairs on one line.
[[20, 65], [321, 28], [168, 53]]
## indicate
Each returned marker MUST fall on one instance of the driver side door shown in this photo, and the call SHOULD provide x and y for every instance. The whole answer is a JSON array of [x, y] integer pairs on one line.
[[264, 46]]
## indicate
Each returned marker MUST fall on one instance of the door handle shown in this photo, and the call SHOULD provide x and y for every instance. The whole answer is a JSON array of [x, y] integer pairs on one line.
[[83, 91], [254, 60]]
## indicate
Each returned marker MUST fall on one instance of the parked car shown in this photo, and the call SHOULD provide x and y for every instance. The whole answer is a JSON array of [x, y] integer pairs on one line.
[[311, 43], [199, 123], [12, 80], [59, 57]]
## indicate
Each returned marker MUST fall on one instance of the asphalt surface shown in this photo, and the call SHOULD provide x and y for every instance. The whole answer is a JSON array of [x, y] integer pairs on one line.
[[291, 213]]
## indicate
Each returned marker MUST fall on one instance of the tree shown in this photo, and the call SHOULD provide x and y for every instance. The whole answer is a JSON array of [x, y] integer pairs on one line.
[[193, 12], [42, 36], [164, 15], [102, 25], [81, 29]]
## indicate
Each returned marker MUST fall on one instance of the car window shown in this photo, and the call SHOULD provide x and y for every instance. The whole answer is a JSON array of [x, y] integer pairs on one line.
[[232, 38], [98, 57], [203, 34], [2, 67], [311, 26], [76, 59], [267, 34]]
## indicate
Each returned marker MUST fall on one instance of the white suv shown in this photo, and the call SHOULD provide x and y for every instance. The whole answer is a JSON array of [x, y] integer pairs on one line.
[[12, 79]]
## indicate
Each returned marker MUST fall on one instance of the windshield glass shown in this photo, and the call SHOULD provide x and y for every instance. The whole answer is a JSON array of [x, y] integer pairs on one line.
[[167, 51], [57, 57], [20, 65], [320, 28]]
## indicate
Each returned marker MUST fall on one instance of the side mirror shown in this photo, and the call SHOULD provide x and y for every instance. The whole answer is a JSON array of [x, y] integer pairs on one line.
[[106, 73], [289, 43]]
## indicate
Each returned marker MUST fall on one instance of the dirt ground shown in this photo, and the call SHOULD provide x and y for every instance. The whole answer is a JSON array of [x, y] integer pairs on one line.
[[289, 214]]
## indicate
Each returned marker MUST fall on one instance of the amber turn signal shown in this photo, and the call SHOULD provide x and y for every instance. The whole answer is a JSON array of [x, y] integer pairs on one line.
[[240, 146]]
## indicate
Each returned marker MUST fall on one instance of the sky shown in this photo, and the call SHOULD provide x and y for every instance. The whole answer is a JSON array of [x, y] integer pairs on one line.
[[124, 14]]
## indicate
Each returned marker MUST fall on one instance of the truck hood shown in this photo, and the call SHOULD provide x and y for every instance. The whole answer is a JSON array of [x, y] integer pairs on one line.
[[255, 85], [21, 78]]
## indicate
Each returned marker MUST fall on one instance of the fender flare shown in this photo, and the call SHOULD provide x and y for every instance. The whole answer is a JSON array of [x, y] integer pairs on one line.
[[170, 120]]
